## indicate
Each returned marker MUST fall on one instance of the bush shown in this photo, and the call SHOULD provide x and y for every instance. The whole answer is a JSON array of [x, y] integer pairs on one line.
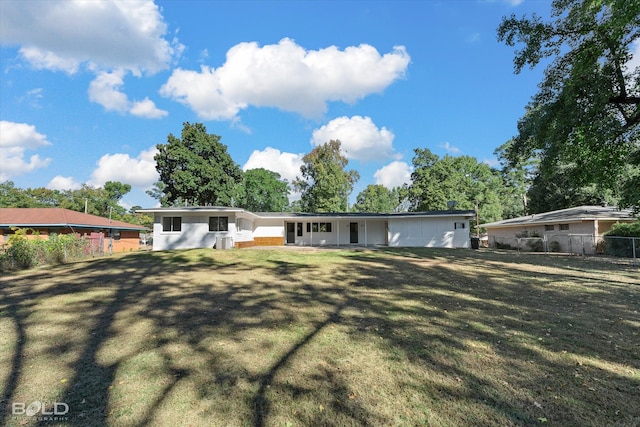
[[503, 246], [535, 245], [22, 253], [554, 246], [616, 246]]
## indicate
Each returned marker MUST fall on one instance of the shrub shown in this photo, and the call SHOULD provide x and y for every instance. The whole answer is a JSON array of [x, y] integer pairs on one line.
[[503, 246], [535, 245], [554, 246], [622, 247], [21, 251]]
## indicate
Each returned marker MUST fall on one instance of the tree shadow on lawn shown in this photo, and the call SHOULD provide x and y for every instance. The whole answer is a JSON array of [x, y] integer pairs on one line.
[[243, 341], [573, 336]]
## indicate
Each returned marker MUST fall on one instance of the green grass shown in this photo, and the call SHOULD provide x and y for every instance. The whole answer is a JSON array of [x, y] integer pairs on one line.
[[324, 337]]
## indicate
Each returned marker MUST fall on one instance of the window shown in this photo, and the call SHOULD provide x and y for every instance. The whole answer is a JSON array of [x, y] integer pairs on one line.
[[218, 223], [299, 229], [459, 226], [549, 227], [319, 227], [564, 227], [172, 223]]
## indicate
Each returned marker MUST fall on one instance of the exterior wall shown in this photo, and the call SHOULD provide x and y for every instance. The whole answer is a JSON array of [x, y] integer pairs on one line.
[[429, 232], [370, 232], [244, 230], [194, 233], [581, 235], [129, 239], [269, 228], [269, 241], [249, 231]]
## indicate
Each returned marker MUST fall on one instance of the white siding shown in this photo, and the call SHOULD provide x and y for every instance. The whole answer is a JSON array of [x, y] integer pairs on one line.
[[370, 232], [268, 227], [194, 234], [428, 232]]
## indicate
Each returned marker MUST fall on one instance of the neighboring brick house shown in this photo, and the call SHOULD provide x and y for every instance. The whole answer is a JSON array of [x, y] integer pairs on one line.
[[572, 229], [42, 222]]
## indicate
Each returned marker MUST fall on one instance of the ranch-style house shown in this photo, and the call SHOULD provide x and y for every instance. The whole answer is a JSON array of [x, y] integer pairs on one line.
[[225, 227]]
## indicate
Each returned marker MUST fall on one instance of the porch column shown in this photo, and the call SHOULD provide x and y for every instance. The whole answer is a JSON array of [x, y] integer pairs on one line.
[[365, 233], [338, 227]]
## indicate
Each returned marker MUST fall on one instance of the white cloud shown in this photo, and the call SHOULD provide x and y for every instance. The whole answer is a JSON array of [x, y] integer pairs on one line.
[[147, 108], [61, 35], [105, 90], [394, 174], [449, 148], [285, 76], [137, 172], [15, 139], [286, 164], [360, 137], [49, 61], [60, 182]]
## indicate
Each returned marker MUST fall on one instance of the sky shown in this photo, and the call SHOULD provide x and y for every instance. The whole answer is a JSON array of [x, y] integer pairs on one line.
[[89, 88]]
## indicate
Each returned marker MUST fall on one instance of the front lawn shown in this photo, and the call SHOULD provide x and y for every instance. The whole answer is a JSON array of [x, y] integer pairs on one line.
[[322, 337]]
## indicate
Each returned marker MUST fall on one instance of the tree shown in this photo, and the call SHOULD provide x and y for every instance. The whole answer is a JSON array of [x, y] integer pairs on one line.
[[377, 198], [14, 197], [98, 201], [436, 181], [116, 190], [197, 168], [516, 181], [587, 112], [325, 185], [557, 189], [264, 191]]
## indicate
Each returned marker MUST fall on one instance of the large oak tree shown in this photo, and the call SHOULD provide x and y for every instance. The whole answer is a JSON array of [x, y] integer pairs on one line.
[[197, 168], [586, 114]]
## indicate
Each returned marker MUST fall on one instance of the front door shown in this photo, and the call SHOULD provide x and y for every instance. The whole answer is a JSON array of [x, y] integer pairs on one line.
[[291, 232], [353, 232]]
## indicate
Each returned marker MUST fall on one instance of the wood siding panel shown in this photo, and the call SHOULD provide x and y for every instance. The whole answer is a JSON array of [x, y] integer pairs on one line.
[[269, 241]]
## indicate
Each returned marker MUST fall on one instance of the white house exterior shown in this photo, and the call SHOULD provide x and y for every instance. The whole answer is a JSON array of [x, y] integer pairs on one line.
[[201, 227]]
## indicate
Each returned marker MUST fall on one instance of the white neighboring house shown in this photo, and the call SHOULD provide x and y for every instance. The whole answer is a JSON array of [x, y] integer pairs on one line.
[[200, 227]]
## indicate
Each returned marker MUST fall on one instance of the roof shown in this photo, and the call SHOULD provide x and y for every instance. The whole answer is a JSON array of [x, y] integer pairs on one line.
[[465, 213], [577, 214], [287, 215], [59, 217]]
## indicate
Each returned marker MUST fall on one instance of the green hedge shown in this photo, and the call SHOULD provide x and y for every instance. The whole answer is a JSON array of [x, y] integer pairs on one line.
[[22, 252], [622, 247]]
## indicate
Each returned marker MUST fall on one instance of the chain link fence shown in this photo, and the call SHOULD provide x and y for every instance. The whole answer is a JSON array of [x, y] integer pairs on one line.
[[621, 248], [22, 253]]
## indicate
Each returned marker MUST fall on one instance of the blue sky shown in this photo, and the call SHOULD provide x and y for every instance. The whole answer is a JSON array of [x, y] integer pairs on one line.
[[89, 88]]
